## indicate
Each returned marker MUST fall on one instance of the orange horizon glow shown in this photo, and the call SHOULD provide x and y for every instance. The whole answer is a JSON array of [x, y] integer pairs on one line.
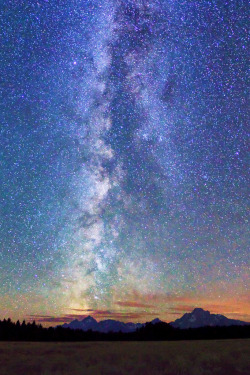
[[132, 307]]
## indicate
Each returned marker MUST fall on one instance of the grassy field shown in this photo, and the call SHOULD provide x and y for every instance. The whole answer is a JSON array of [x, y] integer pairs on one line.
[[225, 357]]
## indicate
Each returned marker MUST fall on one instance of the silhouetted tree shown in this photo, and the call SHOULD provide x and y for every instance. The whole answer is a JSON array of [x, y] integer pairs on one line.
[[10, 331]]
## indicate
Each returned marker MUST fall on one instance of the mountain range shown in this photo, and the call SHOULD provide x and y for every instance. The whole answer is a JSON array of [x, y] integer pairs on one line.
[[201, 318], [197, 318]]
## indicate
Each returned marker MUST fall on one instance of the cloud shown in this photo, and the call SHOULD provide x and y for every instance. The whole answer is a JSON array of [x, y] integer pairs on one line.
[[173, 304], [124, 316], [133, 304], [37, 316], [181, 309], [85, 310], [55, 319]]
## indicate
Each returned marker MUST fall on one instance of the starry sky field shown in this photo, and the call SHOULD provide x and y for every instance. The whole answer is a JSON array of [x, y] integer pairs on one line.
[[123, 159]]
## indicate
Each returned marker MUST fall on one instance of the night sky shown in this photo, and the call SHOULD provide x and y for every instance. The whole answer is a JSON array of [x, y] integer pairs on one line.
[[123, 159]]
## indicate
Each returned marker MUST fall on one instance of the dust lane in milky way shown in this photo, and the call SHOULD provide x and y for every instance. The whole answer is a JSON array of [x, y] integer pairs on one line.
[[123, 159]]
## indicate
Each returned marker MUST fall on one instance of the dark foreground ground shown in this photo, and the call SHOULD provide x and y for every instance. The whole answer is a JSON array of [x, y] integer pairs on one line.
[[222, 357]]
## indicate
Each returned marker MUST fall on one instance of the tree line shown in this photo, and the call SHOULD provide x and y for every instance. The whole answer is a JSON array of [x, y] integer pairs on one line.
[[11, 331]]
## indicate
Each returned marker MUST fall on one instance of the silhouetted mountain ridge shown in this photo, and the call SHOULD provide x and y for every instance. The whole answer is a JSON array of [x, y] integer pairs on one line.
[[201, 318], [197, 318], [104, 326]]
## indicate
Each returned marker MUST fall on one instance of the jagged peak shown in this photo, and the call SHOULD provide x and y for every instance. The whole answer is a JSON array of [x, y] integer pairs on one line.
[[199, 310], [156, 320]]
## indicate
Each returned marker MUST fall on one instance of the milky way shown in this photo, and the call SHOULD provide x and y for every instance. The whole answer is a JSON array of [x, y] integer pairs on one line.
[[123, 158]]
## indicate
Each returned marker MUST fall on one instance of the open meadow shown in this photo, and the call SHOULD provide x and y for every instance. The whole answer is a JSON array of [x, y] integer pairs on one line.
[[229, 357]]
